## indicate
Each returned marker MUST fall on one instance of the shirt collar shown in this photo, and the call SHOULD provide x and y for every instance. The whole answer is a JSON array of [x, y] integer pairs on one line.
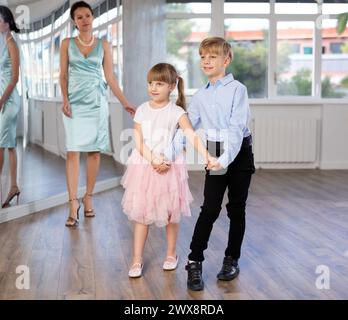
[[224, 81]]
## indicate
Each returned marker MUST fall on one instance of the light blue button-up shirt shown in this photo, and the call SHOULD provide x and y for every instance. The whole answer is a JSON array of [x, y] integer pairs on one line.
[[222, 109]]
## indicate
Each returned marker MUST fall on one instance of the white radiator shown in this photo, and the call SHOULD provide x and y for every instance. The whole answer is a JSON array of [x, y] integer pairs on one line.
[[285, 140]]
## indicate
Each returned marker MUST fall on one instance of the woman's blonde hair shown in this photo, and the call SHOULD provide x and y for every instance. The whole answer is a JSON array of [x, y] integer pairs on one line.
[[165, 72]]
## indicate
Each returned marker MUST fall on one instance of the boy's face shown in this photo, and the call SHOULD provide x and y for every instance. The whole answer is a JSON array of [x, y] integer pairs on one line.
[[214, 64]]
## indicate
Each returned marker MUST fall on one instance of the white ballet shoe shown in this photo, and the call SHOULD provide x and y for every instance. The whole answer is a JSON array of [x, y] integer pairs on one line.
[[171, 263], [136, 270]]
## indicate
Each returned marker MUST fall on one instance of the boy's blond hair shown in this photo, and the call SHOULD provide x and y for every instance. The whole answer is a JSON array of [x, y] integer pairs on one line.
[[216, 45]]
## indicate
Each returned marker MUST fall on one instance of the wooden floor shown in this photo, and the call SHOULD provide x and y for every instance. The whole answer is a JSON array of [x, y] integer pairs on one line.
[[296, 221], [41, 174]]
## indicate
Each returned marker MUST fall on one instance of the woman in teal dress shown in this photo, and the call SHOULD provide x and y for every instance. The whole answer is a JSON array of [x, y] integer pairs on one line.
[[85, 105], [9, 98]]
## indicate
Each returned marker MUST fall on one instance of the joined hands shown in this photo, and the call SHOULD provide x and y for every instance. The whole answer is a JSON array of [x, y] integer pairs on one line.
[[162, 165], [213, 164]]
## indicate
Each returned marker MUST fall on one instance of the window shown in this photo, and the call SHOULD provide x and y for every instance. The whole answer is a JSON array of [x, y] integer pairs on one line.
[[183, 39], [249, 40], [96, 20], [39, 72], [194, 7], [112, 13], [26, 68], [120, 51], [183, 36], [334, 63], [308, 50], [113, 40], [58, 18], [246, 7], [336, 47], [66, 10], [295, 7], [334, 8], [47, 26], [294, 70], [56, 64], [46, 67], [103, 13]]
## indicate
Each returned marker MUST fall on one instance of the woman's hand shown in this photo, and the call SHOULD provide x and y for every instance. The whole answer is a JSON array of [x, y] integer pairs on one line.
[[66, 109], [130, 109]]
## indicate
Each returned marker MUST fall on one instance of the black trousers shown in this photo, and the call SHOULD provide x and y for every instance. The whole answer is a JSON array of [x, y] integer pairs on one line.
[[236, 178]]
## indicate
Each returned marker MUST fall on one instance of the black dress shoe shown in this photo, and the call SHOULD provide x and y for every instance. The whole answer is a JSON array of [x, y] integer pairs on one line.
[[194, 277], [229, 270]]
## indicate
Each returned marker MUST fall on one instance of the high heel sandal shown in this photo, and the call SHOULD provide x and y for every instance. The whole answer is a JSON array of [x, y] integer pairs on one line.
[[11, 195], [90, 212], [74, 221]]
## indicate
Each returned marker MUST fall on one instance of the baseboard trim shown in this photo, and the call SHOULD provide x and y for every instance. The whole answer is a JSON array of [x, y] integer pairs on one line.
[[11, 213], [334, 165]]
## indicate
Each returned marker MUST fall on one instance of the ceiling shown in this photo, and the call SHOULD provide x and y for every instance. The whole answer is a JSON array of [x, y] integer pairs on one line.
[[38, 8], [13, 3]]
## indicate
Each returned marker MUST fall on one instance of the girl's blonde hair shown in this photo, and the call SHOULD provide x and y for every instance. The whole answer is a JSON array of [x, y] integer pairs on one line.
[[165, 72]]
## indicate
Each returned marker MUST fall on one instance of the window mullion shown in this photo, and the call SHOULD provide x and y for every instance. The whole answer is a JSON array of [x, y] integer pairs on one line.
[[217, 27], [272, 54], [317, 44]]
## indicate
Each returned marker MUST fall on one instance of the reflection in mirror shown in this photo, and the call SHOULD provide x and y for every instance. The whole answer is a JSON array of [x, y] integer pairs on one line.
[[41, 174], [39, 130], [10, 102]]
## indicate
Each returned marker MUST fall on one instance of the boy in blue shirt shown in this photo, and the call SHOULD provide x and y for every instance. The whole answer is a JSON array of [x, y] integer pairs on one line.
[[222, 109]]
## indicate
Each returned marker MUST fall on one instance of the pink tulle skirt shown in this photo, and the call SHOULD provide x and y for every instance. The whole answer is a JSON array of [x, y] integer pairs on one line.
[[153, 198]]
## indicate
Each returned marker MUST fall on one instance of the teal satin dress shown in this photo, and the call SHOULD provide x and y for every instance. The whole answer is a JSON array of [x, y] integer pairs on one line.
[[88, 128], [11, 108]]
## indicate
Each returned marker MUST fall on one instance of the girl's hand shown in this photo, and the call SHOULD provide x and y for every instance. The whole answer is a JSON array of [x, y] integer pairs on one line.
[[160, 165], [130, 109], [157, 161], [66, 109], [213, 164], [163, 168]]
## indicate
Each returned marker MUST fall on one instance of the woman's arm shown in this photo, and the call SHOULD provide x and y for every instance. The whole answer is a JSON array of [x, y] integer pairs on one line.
[[14, 56], [111, 79], [63, 76]]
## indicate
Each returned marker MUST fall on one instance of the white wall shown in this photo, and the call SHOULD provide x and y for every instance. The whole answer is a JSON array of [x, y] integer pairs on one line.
[[334, 147]]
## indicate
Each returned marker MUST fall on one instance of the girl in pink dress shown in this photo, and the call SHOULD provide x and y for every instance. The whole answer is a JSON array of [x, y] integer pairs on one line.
[[157, 191]]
